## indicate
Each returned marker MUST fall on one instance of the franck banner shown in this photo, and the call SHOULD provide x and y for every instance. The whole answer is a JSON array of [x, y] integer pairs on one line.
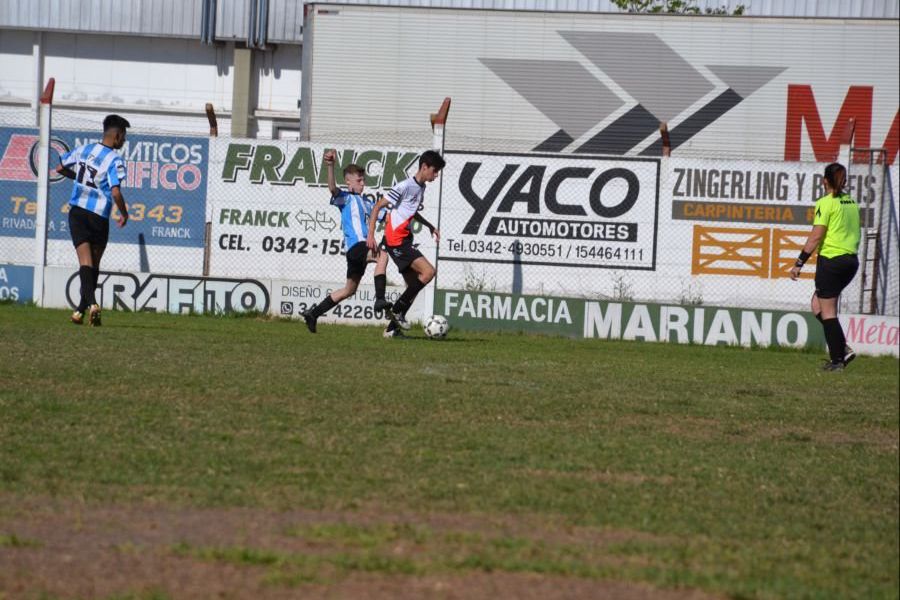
[[271, 213]]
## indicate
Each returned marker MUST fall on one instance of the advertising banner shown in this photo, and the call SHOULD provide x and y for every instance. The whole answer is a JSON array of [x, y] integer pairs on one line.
[[165, 188], [159, 293], [546, 210], [16, 283], [582, 318], [271, 213]]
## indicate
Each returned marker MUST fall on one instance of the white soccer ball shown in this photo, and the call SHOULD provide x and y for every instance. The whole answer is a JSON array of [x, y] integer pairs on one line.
[[436, 327]]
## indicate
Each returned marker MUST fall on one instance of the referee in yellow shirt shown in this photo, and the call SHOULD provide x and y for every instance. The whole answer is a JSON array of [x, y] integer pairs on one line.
[[836, 235]]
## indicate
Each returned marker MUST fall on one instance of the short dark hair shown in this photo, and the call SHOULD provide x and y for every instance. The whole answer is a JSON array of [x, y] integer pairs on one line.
[[353, 169], [432, 159], [115, 122]]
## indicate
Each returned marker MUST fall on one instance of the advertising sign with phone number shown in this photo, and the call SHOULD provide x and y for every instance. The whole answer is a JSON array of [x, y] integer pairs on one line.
[[164, 187]]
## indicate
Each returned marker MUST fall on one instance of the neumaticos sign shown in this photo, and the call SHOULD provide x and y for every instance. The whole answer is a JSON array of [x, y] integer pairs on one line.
[[546, 210]]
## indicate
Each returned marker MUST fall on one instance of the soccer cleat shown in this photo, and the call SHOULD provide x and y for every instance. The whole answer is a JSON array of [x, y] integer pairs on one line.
[[849, 355], [94, 316], [834, 367], [382, 304], [400, 319], [77, 317], [310, 321], [393, 333]]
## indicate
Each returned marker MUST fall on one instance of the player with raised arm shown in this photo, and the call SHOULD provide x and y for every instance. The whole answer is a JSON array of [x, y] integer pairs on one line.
[[404, 202], [355, 210], [98, 172]]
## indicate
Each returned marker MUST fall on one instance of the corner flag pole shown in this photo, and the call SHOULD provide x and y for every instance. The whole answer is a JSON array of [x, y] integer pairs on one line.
[[43, 191]]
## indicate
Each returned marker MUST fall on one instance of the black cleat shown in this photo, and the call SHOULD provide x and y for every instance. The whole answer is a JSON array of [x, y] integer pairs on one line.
[[310, 321], [849, 355], [833, 367]]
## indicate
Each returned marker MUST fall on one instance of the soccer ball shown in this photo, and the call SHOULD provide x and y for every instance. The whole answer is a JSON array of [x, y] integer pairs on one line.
[[436, 327]]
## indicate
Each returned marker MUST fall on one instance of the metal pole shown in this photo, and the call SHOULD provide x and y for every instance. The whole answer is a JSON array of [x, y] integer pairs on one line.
[[43, 189]]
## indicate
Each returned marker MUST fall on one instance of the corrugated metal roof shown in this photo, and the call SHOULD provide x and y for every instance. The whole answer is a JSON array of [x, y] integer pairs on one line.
[[182, 18]]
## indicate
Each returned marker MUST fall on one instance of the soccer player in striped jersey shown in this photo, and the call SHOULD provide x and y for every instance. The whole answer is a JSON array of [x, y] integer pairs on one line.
[[355, 210], [404, 202], [98, 172]]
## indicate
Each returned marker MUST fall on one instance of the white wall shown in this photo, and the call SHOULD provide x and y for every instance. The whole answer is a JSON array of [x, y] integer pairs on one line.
[[159, 84]]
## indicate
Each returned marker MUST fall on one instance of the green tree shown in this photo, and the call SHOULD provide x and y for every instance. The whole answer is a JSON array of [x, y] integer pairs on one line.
[[684, 7]]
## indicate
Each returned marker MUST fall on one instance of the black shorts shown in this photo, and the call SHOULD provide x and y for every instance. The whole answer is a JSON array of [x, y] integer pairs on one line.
[[356, 260], [834, 274], [86, 226], [402, 255]]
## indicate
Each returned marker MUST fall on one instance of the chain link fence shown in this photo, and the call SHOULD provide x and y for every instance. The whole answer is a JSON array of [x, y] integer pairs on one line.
[[679, 230]]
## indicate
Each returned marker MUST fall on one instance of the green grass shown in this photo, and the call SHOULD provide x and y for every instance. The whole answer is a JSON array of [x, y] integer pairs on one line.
[[753, 473]]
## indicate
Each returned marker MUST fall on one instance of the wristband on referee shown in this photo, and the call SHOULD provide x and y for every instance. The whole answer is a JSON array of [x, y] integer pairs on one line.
[[801, 260]]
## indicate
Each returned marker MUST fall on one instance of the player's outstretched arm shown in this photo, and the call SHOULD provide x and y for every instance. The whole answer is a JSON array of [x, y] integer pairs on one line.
[[373, 217], [120, 204], [435, 232], [330, 155]]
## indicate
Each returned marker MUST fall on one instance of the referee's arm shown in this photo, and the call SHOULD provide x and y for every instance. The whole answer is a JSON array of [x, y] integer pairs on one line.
[[812, 242]]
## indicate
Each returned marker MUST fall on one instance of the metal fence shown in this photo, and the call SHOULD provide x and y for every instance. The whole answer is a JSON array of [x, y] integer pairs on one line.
[[677, 230]]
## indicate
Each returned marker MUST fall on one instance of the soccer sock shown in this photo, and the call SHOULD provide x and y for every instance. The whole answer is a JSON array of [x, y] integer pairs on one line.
[[323, 307], [380, 285], [408, 296], [95, 277], [85, 274], [818, 316], [834, 337]]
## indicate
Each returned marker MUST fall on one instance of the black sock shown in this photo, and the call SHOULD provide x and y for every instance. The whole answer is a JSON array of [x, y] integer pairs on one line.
[[323, 307], [380, 284], [819, 317], [95, 278], [834, 337], [85, 274], [408, 296]]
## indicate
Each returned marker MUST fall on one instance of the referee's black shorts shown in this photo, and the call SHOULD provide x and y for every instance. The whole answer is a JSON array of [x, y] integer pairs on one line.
[[86, 226], [834, 274]]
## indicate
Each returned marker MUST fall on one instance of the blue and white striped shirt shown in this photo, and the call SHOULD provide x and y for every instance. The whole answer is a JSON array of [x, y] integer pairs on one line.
[[98, 169], [355, 211]]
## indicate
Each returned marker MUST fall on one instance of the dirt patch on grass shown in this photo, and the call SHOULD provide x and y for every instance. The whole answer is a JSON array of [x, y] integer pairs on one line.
[[75, 550]]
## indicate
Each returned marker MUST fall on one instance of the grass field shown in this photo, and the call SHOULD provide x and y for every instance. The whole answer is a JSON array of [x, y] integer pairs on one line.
[[163, 456]]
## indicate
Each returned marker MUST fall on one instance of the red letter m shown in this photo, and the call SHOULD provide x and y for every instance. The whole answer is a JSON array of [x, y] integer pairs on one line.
[[801, 106]]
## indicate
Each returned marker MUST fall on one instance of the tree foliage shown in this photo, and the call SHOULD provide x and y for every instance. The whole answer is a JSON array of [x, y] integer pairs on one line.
[[684, 7]]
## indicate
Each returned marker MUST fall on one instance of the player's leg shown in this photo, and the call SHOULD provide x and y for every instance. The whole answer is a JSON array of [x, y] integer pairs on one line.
[[85, 276], [419, 273], [356, 268], [82, 231], [832, 276], [99, 238], [381, 261]]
